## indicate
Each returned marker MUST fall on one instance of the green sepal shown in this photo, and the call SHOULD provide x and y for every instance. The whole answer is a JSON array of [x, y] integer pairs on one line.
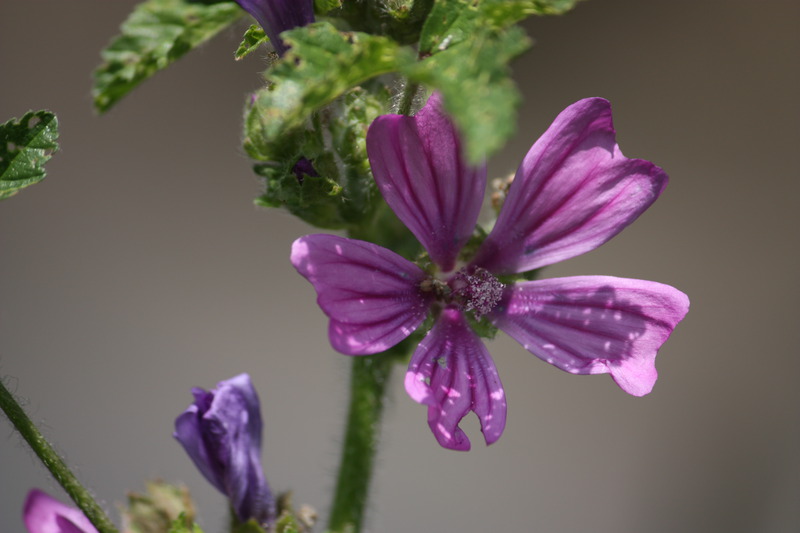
[[321, 7], [287, 523], [251, 526], [344, 194], [321, 65], [481, 326], [453, 21], [472, 245], [528, 275], [182, 525], [156, 33], [348, 121], [402, 20], [156, 511], [314, 200], [475, 81], [25, 146], [251, 40]]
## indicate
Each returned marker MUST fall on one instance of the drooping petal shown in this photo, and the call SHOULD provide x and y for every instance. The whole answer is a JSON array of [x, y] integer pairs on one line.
[[371, 294], [573, 192], [44, 514], [420, 169], [221, 433], [452, 372], [276, 16], [594, 324]]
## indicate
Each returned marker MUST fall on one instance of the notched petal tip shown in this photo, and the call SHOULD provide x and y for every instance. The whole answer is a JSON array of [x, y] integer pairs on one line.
[[419, 167], [574, 191], [594, 325], [452, 373], [370, 294]]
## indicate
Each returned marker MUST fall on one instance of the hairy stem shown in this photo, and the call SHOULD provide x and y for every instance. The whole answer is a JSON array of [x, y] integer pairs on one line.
[[407, 98], [368, 383], [82, 498]]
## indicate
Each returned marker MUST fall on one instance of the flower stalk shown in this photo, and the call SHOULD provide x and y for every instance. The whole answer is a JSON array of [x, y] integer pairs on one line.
[[407, 98], [54, 463], [369, 377]]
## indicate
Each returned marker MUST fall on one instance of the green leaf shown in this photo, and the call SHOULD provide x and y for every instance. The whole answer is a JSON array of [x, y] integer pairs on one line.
[[253, 38], [157, 33], [474, 79], [25, 146], [454, 21], [321, 65]]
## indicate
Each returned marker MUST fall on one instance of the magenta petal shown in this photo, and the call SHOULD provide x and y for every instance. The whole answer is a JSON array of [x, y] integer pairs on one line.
[[452, 372], [371, 294], [594, 324], [573, 192], [420, 169], [44, 514]]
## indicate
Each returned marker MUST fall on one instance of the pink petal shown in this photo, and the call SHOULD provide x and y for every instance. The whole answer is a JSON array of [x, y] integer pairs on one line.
[[573, 192], [44, 514], [420, 169], [452, 372], [594, 324], [370, 293]]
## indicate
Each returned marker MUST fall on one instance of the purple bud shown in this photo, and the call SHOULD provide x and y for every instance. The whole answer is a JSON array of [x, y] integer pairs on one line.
[[276, 16], [303, 168], [44, 514], [221, 432]]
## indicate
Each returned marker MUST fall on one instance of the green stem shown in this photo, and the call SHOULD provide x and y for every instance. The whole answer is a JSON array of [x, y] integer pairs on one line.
[[407, 99], [368, 383], [54, 462]]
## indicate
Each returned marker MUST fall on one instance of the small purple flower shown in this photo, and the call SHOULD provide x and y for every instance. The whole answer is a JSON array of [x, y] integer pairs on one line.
[[277, 16], [44, 514], [221, 432], [573, 191]]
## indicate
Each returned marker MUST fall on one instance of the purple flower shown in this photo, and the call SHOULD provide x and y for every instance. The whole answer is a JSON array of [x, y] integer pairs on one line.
[[221, 432], [277, 16], [44, 514], [573, 192]]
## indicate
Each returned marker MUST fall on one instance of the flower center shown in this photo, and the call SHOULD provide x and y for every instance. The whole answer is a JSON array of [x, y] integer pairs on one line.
[[476, 290]]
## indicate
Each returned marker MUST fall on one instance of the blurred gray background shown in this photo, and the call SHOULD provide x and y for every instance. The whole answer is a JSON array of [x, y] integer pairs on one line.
[[140, 268]]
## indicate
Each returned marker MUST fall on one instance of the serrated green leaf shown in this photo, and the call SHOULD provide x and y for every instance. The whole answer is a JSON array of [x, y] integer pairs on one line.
[[474, 79], [25, 146], [453, 21], [321, 65], [252, 39], [157, 33]]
